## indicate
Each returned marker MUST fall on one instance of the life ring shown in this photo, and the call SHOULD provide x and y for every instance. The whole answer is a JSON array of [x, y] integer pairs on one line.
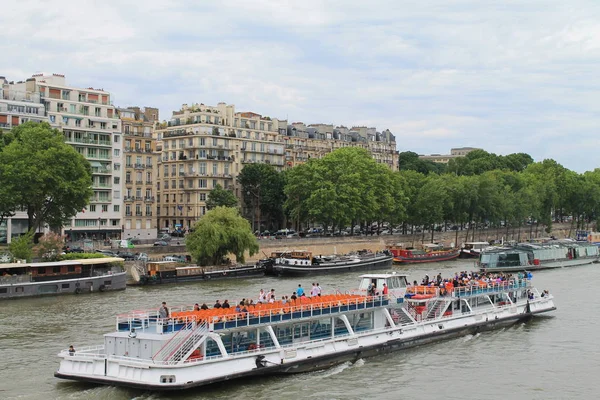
[[102, 288], [77, 290]]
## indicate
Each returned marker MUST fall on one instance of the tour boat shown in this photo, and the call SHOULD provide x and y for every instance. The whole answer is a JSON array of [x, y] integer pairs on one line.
[[432, 253], [531, 257], [302, 262], [158, 272], [61, 277], [194, 348]]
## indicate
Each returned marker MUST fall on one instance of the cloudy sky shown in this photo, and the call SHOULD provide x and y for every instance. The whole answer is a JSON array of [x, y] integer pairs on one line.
[[507, 76]]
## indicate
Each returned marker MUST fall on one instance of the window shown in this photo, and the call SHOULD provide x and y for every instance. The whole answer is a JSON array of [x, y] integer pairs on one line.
[[215, 168], [116, 208], [117, 152], [71, 268], [92, 208], [116, 180], [203, 183], [104, 207], [116, 138], [56, 270], [117, 194], [202, 197]]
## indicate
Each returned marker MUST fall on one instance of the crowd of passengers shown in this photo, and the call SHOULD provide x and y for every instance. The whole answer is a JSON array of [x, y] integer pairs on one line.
[[244, 305], [466, 279]]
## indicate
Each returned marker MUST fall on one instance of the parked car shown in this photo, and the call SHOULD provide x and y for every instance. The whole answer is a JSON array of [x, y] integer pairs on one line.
[[127, 256], [175, 258], [161, 243], [165, 237], [141, 257], [106, 253], [74, 250]]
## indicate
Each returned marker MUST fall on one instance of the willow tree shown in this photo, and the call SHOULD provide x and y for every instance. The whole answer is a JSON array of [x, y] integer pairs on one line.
[[42, 175], [218, 233]]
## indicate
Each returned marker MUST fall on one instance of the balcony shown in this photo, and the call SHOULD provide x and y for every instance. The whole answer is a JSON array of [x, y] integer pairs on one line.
[[129, 182], [128, 213], [139, 182], [139, 166], [148, 213], [149, 199], [138, 213], [128, 199]]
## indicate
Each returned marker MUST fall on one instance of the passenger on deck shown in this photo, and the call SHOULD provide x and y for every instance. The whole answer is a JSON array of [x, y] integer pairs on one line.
[[238, 308], [319, 289], [293, 298], [204, 306], [225, 304], [385, 289], [272, 299], [196, 307], [71, 350], [283, 300], [300, 291], [262, 296], [163, 311], [217, 304]]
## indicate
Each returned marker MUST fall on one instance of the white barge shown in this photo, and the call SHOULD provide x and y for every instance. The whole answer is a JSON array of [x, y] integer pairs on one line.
[[195, 348]]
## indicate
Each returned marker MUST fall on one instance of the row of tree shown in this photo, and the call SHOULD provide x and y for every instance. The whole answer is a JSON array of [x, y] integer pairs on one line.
[[348, 188]]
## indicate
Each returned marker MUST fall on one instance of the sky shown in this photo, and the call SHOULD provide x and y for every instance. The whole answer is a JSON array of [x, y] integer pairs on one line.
[[506, 76]]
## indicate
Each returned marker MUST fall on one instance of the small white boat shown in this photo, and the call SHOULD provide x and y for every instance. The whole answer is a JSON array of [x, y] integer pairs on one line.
[[195, 348]]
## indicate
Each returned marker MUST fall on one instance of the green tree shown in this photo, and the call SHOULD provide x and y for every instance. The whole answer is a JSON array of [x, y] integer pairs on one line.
[[219, 197], [21, 248], [43, 175], [218, 233], [409, 160], [263, 194]]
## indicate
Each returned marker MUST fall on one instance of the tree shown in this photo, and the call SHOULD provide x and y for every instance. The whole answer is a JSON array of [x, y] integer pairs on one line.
[[220, 232], [49, 246], [43, 175], [409, 160], [22, 247], [219, 197], [263, 194]]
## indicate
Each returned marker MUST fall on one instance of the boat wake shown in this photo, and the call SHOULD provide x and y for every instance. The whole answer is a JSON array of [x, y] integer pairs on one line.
[[338, 369], [471, 337]]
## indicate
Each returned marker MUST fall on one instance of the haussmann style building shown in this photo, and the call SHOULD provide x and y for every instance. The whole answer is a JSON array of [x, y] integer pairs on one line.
[[204, 146]]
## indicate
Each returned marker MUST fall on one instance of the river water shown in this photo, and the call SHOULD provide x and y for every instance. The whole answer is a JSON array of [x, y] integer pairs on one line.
[[554, 357]]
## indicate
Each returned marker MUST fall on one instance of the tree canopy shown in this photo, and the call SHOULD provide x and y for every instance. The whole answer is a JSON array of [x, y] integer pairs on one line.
[[262, 190], [221, 231], [409, 160], [219, 197], [43, 175]]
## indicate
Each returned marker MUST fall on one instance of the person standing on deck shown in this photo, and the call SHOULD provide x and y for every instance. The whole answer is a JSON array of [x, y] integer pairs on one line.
[[163, 311], [300, 291]]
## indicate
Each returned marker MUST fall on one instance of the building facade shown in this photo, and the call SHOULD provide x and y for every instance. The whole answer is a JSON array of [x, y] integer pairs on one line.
[[205, 146], [91, 125], [445, 158], [139, 149]]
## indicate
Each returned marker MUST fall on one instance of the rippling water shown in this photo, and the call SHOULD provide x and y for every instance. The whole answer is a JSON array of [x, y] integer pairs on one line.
[[553, 357]]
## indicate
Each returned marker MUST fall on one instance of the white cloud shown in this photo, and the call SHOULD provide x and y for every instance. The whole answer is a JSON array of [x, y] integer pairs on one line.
[[505, 76]]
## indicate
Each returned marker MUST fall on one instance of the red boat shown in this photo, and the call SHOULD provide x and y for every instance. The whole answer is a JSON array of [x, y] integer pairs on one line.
[[413, 256]]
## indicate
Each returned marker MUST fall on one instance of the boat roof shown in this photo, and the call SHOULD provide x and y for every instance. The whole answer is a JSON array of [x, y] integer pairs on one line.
[[382, 276], [486, 243], [85, 261]]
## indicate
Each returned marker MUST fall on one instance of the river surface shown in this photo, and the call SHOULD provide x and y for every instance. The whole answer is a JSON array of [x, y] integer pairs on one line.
[[554, 357]]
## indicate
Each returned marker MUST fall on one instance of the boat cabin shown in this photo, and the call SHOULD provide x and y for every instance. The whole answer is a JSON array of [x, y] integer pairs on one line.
[[295, 257], [396, 283], [478, 246]]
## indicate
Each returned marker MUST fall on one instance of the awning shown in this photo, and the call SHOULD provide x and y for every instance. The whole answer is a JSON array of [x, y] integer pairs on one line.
[[95, 164]]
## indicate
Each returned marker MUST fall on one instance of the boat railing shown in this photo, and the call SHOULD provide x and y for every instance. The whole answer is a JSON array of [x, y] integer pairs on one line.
[[478, 288], [88, 351], [13, 279]]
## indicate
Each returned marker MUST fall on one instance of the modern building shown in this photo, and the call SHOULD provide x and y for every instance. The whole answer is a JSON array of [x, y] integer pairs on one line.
[[139, 149], [205, 146], [91, 125], [445, 158], [17, 107]]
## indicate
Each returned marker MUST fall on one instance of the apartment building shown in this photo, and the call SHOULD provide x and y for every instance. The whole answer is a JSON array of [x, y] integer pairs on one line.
[[91, 125], [17, 107], [205, 146], [445, 158], [139, 150]]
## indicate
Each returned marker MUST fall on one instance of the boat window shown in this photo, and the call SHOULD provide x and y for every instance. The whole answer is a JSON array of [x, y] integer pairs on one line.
[[283, 334], [56, 270], [65, 285], [301, 332], [71, 268], [361, 322], [211, 348], [320, 329], [364, 284], [3, 290], [41, 270], [19, 289], [265, 339], [239, 341], [340, 328], [108, 283]]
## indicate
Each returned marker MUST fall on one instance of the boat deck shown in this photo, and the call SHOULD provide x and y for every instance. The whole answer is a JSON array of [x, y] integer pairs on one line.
[[262, 313]]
